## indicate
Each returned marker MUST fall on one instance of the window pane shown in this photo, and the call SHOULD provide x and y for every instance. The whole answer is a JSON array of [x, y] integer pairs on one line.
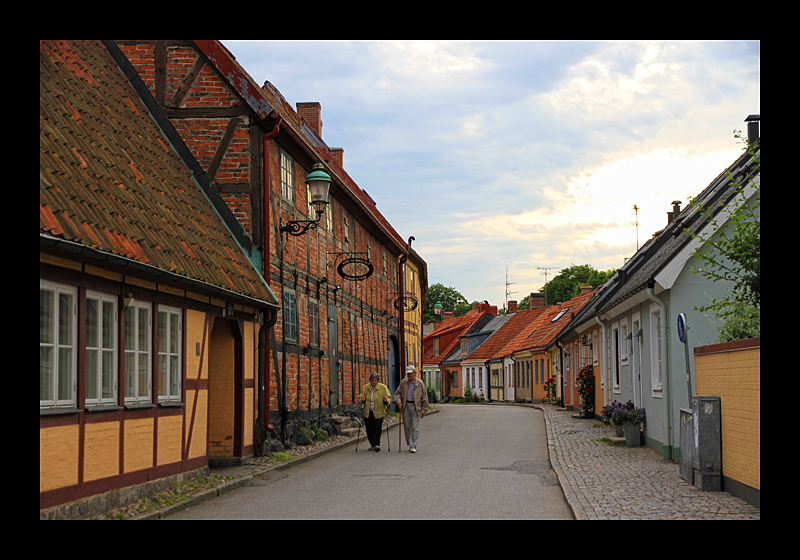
[[130, 377], [108, 325], [108, 374], [174, 376], [173, 333], [162, 331], [45, 317], [144, 382], [65, 319], [91, 374], [162, 375], [45, 373], [130, 329], [65, 374], [91, 323], [144, 324]]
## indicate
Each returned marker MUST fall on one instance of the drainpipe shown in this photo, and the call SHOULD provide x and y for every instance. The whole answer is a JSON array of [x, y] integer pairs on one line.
[[263, 408], [266, 324], [603, 341], [665, 365]]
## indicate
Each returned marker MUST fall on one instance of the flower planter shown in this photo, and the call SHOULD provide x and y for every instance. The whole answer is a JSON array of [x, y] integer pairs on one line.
[[632, 435], [618, 428]]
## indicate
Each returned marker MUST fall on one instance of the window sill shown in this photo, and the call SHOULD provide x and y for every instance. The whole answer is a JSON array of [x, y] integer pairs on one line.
[[55, 411], [171, 404]]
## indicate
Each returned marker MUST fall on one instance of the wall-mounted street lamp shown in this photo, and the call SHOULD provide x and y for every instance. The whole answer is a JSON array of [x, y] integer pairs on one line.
[[319, 183], [437, 311]]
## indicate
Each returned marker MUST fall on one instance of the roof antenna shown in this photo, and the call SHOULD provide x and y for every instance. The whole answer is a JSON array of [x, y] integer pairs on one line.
[[636, 223]]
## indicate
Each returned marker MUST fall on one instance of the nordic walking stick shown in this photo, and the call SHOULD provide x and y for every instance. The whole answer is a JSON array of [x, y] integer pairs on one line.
[[400, 429], [388, 439], [358, 437]]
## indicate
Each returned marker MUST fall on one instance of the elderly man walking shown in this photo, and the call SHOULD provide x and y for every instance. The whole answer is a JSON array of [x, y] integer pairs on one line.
[[412, 398]]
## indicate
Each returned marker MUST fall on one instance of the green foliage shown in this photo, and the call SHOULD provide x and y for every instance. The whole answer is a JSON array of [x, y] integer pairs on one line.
[[450, 299], [568, 283], [731, 252]]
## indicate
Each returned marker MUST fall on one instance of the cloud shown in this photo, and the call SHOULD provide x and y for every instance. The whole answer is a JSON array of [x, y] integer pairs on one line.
[[520, 154]]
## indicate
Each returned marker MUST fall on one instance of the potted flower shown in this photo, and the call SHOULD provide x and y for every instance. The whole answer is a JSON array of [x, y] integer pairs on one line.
[[585, 384], [632, 420], [616, 413]]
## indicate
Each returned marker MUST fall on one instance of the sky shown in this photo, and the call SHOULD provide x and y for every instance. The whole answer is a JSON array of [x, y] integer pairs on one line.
[[504, 158]]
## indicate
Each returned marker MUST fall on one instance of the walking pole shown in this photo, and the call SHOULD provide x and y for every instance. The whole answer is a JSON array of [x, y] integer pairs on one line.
[[400, 429], [388, 442], [358, 437]]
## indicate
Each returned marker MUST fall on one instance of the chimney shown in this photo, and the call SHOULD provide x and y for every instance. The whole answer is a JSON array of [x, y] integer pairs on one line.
[[676, 209], [310, 111], [585, 290], [753, 132], [512, 306], [536, 299], [338, 155], [448, 313]]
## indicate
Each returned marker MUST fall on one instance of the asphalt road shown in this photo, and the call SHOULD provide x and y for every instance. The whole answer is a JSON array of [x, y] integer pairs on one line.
[[472, 462]]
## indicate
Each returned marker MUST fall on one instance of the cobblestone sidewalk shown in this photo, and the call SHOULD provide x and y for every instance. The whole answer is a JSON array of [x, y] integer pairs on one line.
[[602, 481]]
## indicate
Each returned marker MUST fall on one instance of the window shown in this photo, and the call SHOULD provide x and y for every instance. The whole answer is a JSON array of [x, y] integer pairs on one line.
[[329, 214], [138, 361], [536, 377], [385, 264], [170, 337], [287, 176], [290, 316], [313, 322], [435, 347], [655, 349], [480, 377], [101, 349], [58, 357], [615, 351], [623, 336], [463, 346]]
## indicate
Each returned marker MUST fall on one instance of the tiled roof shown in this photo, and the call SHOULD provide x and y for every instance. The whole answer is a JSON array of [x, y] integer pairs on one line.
[[498, 344], [547, 325], [109, 179]]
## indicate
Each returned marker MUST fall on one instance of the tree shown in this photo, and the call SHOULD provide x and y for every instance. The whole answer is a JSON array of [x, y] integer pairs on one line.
[[731, 252], [568, 283], [450, 299]]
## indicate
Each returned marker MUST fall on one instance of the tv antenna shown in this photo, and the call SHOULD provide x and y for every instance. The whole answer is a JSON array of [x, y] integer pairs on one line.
[[636, 223], [546, 268], [507, 292]]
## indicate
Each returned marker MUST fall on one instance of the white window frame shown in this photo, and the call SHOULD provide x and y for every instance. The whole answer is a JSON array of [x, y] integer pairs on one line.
[[138, 360], [170, 358], [63, 363], [102, 352], [656, 359], [286, 164], [623, 335]]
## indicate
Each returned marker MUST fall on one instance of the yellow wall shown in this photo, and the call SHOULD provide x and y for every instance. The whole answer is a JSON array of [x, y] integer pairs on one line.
[[58, 457], [735, 377]]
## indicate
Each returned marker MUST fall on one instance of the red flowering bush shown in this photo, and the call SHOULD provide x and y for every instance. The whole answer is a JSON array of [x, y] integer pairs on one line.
[[585, 384], [550, 390]]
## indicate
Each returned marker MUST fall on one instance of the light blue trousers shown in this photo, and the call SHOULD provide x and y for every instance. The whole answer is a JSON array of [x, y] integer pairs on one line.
[[411, 424]]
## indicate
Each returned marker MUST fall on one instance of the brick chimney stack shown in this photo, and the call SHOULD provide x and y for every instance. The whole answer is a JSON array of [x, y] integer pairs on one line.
[[585, 289], [512, 306], [311, 112], [536, 299], [338, 156]]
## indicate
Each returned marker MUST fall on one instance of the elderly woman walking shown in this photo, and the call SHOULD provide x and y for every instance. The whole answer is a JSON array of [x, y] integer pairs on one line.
[[374, 398]]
